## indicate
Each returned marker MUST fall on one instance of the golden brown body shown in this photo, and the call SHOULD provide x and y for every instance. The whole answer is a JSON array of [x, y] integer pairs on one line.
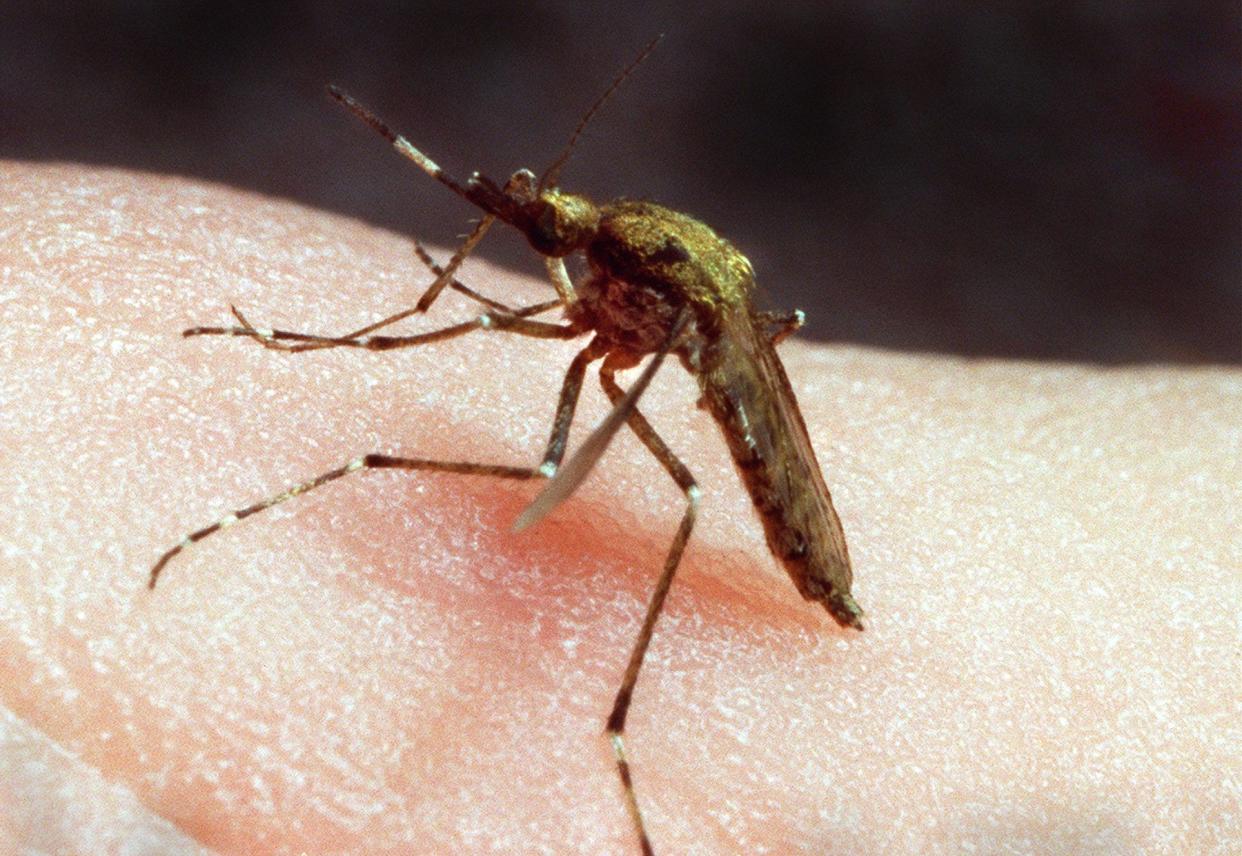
[[648, 261]]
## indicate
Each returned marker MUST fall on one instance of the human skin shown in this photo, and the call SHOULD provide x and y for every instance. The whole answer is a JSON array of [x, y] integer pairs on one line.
[[1048, 555]]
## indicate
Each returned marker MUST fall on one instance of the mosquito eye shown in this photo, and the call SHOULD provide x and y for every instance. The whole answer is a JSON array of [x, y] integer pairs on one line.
[[549, 222]]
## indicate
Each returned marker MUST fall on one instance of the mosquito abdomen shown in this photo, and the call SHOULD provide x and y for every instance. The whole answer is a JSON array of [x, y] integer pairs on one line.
[[745, 388]]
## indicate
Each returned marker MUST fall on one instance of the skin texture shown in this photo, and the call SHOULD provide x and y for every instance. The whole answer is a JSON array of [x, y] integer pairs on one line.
[[1048, 557]]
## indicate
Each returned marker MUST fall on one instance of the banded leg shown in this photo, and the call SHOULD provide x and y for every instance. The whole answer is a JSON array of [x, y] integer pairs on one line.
[[367, 462], [446, 275], [309, 343], [278, 340], [555, 450], [407, 150], [682, 476], [459, 286]]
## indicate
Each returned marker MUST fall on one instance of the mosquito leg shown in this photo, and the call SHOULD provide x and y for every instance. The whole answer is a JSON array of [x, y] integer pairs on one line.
[[560, 279], [781, 324], [338, 341], [519, 188], [287, 340], [570, 388], [268, 338], [620, 707], [572, 385], [446, 275], [367, 462], [456, 284]]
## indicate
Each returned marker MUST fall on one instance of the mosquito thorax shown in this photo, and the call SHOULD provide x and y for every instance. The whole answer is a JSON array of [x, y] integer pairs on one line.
[[647, 244]]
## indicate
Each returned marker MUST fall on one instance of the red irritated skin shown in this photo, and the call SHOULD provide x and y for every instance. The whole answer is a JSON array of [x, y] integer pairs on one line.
[[1047, 554]]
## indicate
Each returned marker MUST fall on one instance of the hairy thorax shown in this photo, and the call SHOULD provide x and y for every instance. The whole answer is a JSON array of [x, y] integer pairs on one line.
[[646, 263]]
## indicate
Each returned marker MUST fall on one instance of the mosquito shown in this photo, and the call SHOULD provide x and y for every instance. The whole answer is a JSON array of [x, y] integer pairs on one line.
[[658, 282]]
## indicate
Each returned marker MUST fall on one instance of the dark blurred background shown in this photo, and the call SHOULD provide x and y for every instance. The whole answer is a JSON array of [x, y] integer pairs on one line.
[[1055, 180]]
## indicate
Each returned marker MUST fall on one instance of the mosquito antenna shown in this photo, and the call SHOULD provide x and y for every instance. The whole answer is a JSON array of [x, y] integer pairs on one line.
[[552, 173]]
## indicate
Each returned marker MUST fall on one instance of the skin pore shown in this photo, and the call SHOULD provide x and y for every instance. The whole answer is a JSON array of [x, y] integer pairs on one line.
[[1047, 554]]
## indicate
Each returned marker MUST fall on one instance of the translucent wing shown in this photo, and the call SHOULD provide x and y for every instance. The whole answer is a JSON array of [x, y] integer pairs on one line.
[[573, 473], [747, 391]]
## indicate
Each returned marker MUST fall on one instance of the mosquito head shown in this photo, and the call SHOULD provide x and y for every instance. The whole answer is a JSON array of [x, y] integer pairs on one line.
[[554, 222], [557, 223], [560, 222]]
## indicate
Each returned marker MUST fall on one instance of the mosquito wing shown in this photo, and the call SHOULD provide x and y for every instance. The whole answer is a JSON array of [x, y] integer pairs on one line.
[[573, 473], [747, 391]]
